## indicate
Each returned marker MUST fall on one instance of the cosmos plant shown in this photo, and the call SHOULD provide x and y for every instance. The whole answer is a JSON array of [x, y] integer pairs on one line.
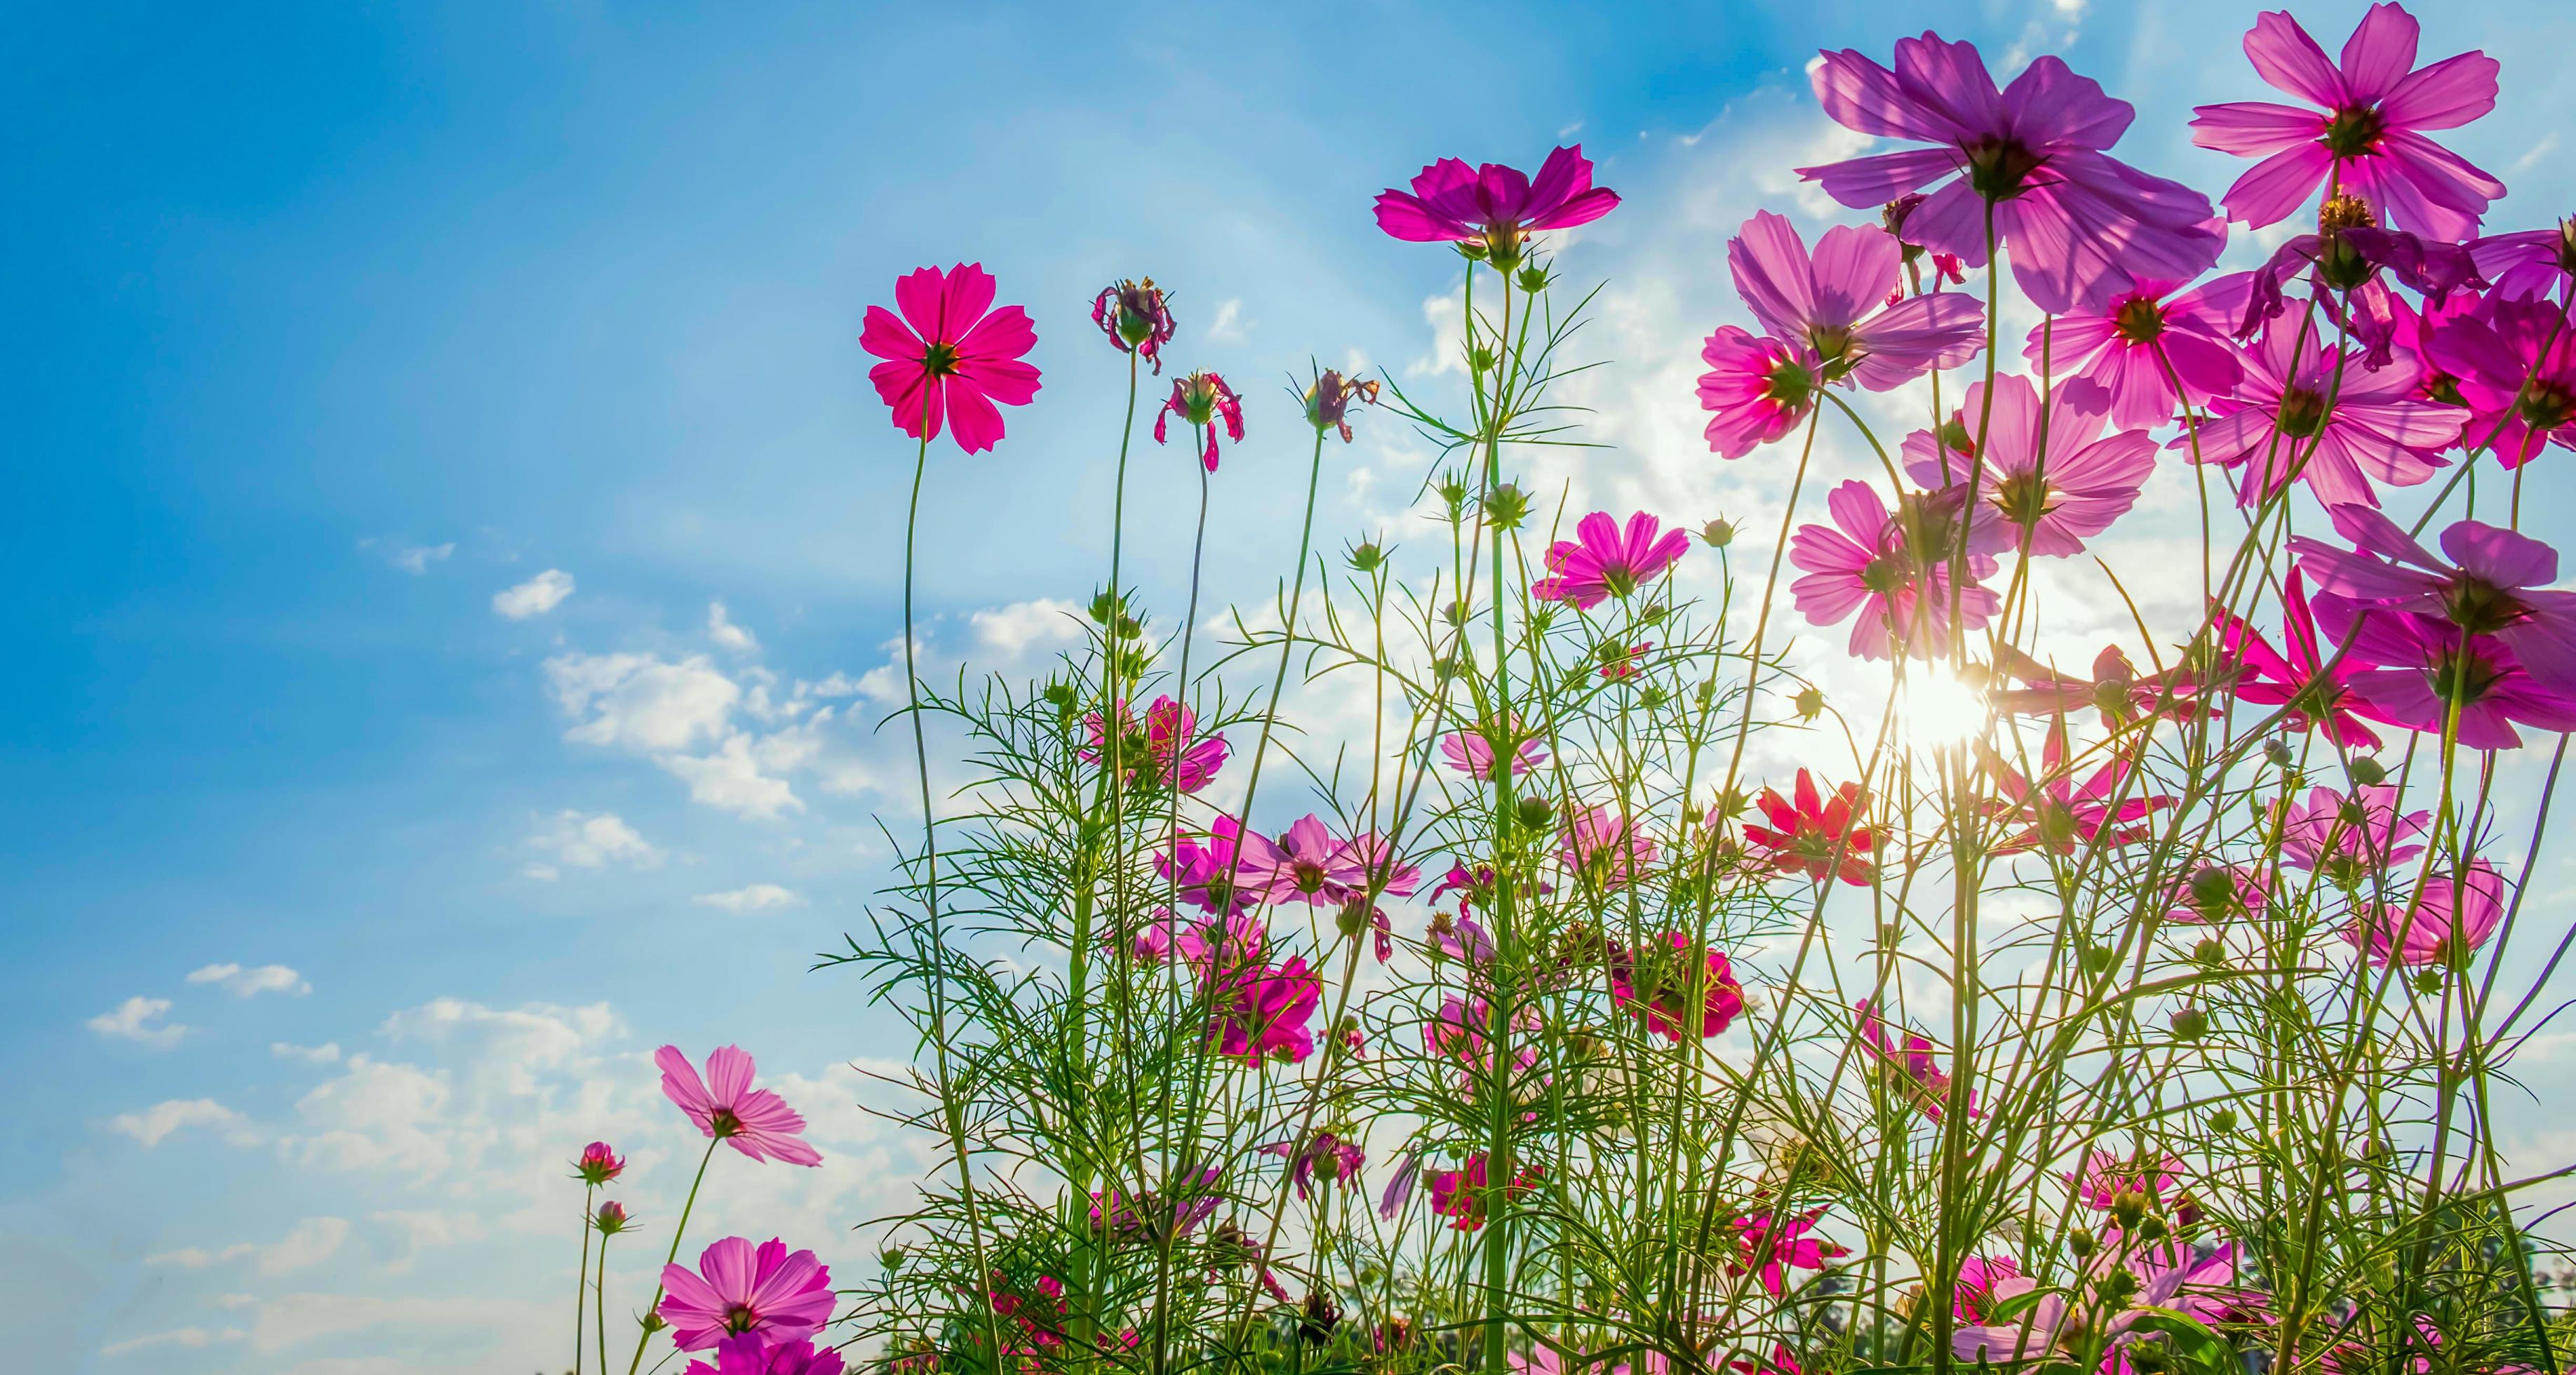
[[2066, 904]]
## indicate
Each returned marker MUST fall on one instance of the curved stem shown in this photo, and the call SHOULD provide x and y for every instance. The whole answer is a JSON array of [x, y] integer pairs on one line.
[[673, 1255]]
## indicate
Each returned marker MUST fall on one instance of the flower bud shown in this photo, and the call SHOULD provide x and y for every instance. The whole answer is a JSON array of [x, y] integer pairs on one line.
[[1533, 279], [1353, 919], [2278, 752], [2367, 772], [1535, 813], [2128, 1208], [612, 1218], [1365, 557], [1718, 533], [1810, 704], [1506, 507], [2190, 1024], [2079, 1243], [891, 1258], [2223, 1121], [2209, 950]]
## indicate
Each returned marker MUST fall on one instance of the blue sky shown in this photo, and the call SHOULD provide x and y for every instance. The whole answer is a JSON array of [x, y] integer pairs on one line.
[[330, 324]]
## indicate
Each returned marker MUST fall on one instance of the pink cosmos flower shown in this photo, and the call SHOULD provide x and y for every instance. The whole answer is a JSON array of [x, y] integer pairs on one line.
[[1305, 864], [1974, 1300], [1831, 303], [1462, 1031], [1913, 1071], [1165, 751], [1774, 1247], [1867, 562], [1215, 948], [2151, 345], [1460, 1195], [1472, 752], [1673, 1000], [611, 1218], [2058, 814], [1758, 388], [598, 1164], [2304, 675], [2051, 477], [950, 356], [1262, 1012], [2347, 253], [727, 1108], [2279, 426], [2349, 839], [1141, 1217], [2529, 263], [1815, 837], [2117, 691], [1605, 847], [2166, 1275], [749, 1354], [735, 1290], [1212, 875], [2081, 224], [2453, 915], [2492, 352], [1600, 561], [1324, 1154], [1497, 205], [2367, 135], [2500, 585], [2423, 671], [1137, 317], [1204, 399]]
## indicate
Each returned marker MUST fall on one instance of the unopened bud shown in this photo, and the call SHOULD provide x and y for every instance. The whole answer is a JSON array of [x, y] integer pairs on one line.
[[2277, 751], [1810, 704], [1533, 279], [1718, 533], [2367, 772], [1535, 813], [1365, 557], [2190, 1024], [2223, 1121]]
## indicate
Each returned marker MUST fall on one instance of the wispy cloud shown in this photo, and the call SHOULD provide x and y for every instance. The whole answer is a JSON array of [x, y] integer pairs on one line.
[[589, 841], [139, 1020], [249, 981], [535, 597], [758, 897]]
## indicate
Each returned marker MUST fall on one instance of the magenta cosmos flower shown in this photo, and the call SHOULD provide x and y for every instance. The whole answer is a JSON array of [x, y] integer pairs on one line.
[[749, 1355], [598, 1164], [1817, 837], [1202, 399], [1672, 999], [1309, 864], [2153, 346], [1600, 561], [2107, 1176], [1867, 562], [736, 1290], [950, 356], [1758, 389], [2500, 585], [2056, 813], [2491, 352], [2367, 133], [1472, 752], [2035, 498], [2304, 675], [1460, 1195], [1211, 875], [2349, 840], [727, 1108], [1772, 1247], [2279, 426], [1324, 1155], [1833, 303], [1495, 205], [2453, 915], [1262, 1013], [2163, 1275], [2080, 223], [2422, 672], [1914, 1070], [1166, 751], [2529, 262]]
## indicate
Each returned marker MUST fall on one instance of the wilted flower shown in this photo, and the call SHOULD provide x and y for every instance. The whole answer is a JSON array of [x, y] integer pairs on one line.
[[1203, 399], [1137, 319], [1328, 401]]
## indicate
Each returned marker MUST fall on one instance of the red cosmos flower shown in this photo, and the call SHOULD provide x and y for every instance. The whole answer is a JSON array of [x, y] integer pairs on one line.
[[1774, 1247], [1202, 398], [1817, 838], [598, 1164], [1912, 1070], [2061, 816], [2298, 675], [950, 355], [1660, 991]]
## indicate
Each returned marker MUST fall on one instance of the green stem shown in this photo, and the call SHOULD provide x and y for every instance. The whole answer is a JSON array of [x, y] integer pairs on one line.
[[598, 1312], [580, 1278], [674, 1254]]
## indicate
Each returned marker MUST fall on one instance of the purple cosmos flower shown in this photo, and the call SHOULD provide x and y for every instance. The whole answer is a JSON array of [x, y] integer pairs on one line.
[[1600, 561], [1324, 1154], [727, 1108], [2081, 224], [2279, 426], [2500, 585], [1137, 317], [2039, 501], [2529, 262], [748, 1354], [2453, 914], [1202, 398], [2368, 132], [1496, 205], [2348, 252], [2515, 362], [1263, 1013], [2304, 675], [2164, 1275], [2150, 347], [1868, 562], [1832, 303], [1472, 752], [1758, 388], [2348, 839], [736, 1290], [2421, 670]]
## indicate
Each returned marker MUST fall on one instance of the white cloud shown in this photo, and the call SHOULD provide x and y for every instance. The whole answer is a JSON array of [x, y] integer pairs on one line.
[[327, 1053], [313, 1241], [1021, 626], [722, 630], [135, 1020], [414, 559], [251, 981], [1227, 326], [424, 1230], [535, 597], [640, 702], [294, 1319], [732, 779], [757, 897], [590, 841], [191, 1338], [154, 1125]]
